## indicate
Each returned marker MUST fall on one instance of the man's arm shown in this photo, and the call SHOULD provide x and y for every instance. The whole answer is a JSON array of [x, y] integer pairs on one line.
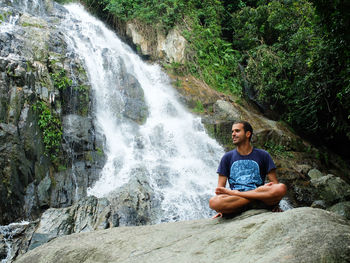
[[222, 180], [272, 176], [221, 188]]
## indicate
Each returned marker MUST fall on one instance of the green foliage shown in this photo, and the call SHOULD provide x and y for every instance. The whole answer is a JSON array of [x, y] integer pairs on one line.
[[175, 68], [214, 60], [51, 128], [60, 80], [210, 57], [199, 107], [165, 13], [178, 83], [81, 88], [4, 16], [99, 151], [61, 168], [26, 24], [277, 150], [295, 68]]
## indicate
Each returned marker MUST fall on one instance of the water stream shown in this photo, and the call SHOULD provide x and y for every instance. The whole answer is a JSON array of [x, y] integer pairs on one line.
[[171, 147], [8, 233]]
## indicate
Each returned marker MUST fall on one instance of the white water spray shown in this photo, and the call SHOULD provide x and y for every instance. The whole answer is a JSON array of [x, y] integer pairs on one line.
[[171, 147]]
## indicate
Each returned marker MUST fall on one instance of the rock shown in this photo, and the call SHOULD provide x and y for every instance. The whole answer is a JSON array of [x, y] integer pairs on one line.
[[342, 208], [173, 46], [314, 174], [297, 235], [3, 248], [135, 105], [330, 188], [77, 132], [303, 168], [154, 43], [224, 110], [86, 215], [321, 192], [138, 39], [43, 192], [135, 203], [191, 91], [31, 208], [319, 204], [132, 204]]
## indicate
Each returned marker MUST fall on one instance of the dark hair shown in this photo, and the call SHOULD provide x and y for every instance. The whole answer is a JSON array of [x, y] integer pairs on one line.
[[246, 127]]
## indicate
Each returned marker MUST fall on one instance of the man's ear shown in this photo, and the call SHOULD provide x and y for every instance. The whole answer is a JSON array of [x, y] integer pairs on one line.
[[248, 134]]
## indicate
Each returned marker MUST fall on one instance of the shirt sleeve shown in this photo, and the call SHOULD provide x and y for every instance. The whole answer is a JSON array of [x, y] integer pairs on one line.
[[224, 166]]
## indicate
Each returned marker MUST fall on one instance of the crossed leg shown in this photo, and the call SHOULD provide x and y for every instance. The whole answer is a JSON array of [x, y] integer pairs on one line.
[[229, 201]]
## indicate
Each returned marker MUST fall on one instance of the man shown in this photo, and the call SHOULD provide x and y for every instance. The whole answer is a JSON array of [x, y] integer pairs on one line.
[[245, 168]]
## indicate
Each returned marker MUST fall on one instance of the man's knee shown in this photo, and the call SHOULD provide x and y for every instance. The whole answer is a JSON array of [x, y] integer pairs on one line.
[[214, 202], [279, 190], [217, 203]]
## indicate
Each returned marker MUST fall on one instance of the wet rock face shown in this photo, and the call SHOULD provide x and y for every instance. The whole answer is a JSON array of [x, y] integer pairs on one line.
[[135, 105], [135, 202], [3, 248], [33, 59]]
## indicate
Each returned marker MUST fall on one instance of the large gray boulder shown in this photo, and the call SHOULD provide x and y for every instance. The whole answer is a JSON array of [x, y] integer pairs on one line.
[[86, 215], [342, 208], [297, 235]]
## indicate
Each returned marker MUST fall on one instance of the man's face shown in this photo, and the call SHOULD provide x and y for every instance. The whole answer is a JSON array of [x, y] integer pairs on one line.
[[238, 134]]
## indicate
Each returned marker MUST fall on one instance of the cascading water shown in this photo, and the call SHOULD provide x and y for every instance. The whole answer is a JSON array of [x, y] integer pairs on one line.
[[8, 233], [34, 7], [171, 146]]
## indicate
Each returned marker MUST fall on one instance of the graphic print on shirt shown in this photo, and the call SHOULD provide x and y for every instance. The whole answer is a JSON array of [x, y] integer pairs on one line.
[[245, 175]]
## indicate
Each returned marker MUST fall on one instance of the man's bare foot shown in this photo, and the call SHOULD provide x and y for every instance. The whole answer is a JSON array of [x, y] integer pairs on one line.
[[218, 215], [277, 209]]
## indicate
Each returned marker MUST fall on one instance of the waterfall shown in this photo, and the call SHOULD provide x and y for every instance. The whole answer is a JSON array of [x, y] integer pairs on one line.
[[171, 146]]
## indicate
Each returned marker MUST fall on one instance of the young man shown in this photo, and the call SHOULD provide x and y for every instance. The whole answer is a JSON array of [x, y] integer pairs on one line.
[[245, 168]]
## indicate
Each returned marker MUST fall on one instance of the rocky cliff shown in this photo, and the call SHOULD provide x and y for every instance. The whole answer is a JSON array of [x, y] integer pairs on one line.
[[298, 235], [46, 131]]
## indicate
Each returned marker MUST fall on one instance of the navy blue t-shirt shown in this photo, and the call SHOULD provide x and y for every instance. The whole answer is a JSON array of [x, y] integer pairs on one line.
[[246, 172]]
